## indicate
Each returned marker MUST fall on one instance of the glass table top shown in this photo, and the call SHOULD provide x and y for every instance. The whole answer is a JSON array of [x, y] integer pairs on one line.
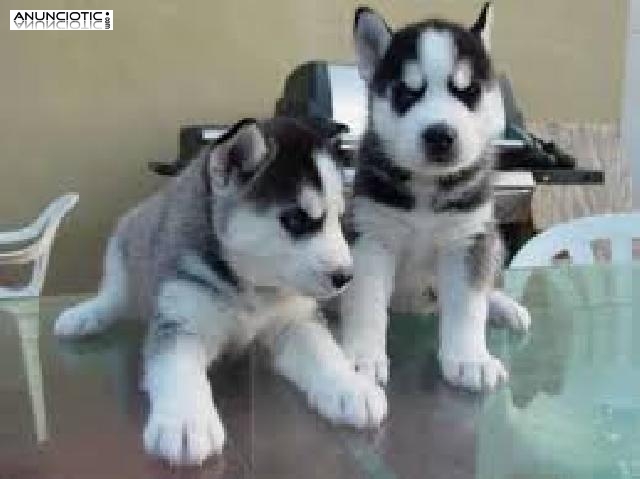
[[570, 410]]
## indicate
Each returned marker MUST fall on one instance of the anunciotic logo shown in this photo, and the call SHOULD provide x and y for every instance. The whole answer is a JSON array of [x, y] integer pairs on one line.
[[61, 20]]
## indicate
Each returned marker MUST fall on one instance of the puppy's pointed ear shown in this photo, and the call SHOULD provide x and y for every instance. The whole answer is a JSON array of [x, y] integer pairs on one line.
[[372, 38], [236, 155], [484, 25]]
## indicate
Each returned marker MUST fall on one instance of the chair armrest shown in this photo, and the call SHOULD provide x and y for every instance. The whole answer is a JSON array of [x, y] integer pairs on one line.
[[46, 222]]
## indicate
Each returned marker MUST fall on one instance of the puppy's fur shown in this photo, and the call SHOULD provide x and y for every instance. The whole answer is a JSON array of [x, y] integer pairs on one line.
[[423, 203], [235, 249]]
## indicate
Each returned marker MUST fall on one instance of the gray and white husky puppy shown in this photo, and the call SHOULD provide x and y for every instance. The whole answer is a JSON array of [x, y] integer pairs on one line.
[[423, 205], [237, 248]]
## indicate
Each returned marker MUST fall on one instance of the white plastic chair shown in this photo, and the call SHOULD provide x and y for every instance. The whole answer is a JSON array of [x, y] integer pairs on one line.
[[611, 286], [33, 244], [578, 239]]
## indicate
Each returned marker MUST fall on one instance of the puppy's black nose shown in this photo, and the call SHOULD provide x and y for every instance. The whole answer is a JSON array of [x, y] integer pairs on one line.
[[439, 141], [340, 277]]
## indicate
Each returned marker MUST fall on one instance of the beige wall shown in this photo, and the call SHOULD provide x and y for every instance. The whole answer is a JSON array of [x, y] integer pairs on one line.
[[84, 111]]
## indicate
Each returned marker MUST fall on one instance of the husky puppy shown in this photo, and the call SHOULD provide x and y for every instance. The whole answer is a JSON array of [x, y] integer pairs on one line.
[[237, 248], [423, 203]]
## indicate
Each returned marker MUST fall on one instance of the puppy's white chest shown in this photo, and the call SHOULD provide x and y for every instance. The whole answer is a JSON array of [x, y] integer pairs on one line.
[[415, 275], [260, 313], [415, 278]]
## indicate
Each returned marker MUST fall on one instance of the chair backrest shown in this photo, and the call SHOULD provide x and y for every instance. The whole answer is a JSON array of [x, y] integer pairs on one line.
[[32, 244], [582, 240]]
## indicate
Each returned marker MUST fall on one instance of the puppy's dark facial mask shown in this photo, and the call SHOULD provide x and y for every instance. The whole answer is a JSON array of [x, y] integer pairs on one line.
[[390, 62], [276, 164], [287, 202], [433, 90]]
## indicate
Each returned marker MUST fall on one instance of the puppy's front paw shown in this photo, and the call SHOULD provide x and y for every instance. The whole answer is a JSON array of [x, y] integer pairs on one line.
[[352, 400], [370, 363], [517, 317], [80, 320], [505, 311], [184, 432], [482, 372]]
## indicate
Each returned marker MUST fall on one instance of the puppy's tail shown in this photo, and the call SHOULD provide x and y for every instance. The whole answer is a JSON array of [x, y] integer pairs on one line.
[[110, 304]]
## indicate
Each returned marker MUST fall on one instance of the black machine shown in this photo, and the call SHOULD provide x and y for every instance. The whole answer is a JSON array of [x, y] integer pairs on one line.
[[334, 93]]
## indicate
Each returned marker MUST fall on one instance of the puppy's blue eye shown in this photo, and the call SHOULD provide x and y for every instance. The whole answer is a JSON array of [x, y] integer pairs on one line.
[[298, 223], [402, 97]]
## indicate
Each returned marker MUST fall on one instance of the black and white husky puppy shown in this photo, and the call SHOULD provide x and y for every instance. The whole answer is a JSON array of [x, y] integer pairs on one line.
[[423, 203], [237, 248]]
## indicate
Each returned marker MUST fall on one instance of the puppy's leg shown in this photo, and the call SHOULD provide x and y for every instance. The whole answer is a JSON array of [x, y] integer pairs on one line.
[[465, 273], [364, 310], [306, 354], [505, 311], [111, 302], [183, 425]]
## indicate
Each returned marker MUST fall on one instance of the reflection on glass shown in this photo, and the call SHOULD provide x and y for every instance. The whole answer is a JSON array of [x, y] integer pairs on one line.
[[571, 409], [26, 313]]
